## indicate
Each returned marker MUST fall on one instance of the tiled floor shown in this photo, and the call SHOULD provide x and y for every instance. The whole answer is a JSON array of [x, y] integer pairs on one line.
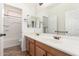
[[14, 51]]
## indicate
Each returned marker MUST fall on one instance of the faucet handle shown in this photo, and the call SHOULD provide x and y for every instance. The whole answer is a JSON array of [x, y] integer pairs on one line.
[[61, 31], [57, 37]]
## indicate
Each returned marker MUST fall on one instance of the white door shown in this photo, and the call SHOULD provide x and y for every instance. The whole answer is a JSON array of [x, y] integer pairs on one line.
[[1, 30], [12, 26]]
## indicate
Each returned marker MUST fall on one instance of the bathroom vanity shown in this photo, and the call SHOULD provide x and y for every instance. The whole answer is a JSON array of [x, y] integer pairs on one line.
[[46, 45], [37, 48]]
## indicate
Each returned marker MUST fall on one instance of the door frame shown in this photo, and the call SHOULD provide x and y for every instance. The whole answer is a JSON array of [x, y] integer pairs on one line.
[[2, 27]]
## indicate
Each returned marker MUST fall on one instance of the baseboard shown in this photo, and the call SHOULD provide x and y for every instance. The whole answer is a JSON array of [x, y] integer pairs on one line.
[[10, 43]]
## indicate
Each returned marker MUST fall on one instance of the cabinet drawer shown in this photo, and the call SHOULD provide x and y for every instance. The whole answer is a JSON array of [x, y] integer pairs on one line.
[[51, 50]]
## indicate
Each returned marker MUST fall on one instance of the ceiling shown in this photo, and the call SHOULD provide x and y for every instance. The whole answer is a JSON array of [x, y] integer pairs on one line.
[[49, 4]]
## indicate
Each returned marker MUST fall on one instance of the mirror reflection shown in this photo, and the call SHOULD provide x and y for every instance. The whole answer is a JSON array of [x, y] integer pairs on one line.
[[72, 22], [58, 18]]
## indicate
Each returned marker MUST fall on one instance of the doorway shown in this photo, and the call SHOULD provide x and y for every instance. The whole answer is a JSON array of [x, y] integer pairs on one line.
[[12, 29], [1, 29]]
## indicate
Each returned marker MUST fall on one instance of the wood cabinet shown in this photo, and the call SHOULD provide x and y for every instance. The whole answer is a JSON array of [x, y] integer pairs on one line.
[[40, 52], [27, 44], [31, 49], [49, 54], [50, 50], [30, 46], [36, 48]]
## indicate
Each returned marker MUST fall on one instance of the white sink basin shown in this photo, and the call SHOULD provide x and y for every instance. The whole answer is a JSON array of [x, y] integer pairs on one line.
[[49, 39]]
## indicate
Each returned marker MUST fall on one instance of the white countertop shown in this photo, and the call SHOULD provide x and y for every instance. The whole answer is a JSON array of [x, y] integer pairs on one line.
[[66, 44]]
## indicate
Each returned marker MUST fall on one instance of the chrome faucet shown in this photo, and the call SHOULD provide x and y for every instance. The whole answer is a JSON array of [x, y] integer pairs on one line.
[[56, 37]]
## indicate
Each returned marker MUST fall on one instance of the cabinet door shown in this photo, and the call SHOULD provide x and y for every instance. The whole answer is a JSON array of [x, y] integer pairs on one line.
[[32, 49], [49, 54], [27, 45], [40, 52]]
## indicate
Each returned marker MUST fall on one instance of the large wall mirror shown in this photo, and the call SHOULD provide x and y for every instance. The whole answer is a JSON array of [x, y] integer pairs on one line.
[[58, 18], [72, 23], [47, 22], [50, 24]]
